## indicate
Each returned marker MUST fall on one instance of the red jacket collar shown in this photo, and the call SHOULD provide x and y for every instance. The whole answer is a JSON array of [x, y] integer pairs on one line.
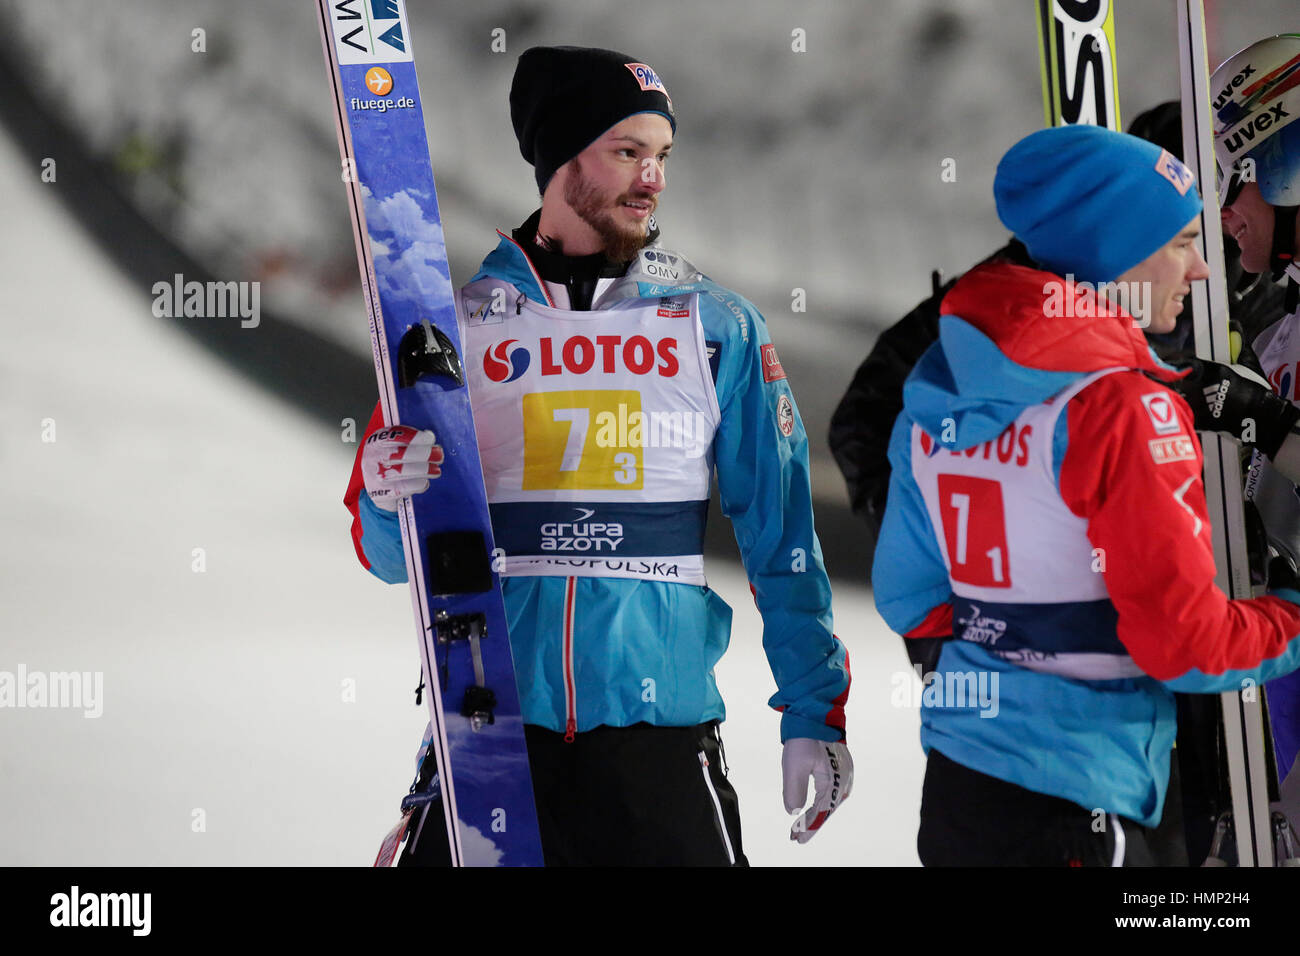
[[1040, 320]]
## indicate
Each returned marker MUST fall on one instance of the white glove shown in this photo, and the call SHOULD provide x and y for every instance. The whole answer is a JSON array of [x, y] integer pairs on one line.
[[398, 462], [831, 768]]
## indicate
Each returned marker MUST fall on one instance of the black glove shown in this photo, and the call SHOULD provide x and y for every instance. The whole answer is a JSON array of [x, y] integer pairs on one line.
[[1282, 574], [1224, 401], [1257, 550]]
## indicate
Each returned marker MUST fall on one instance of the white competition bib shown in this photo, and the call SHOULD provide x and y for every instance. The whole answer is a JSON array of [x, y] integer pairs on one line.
[[1004, 531], [1024, 575], [595, 431]]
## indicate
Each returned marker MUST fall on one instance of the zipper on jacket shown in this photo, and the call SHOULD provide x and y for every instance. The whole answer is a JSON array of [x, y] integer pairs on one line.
[[570, 686], [717, 808]]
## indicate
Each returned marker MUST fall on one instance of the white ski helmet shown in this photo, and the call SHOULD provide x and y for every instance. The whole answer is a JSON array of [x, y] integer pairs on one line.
[[1256, 108]]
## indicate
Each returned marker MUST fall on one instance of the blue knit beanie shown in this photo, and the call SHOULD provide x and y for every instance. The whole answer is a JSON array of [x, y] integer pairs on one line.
[[1092, 203]]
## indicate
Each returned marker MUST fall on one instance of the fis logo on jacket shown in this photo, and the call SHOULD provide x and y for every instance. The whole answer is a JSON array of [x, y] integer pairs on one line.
[[503, 364], [490, 310]]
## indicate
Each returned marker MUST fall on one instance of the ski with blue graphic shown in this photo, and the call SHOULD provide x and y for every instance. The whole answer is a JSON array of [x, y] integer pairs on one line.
[[482, 790]]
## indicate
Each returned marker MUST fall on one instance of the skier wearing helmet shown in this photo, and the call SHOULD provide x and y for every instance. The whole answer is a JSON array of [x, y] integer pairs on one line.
[[1257, 145]]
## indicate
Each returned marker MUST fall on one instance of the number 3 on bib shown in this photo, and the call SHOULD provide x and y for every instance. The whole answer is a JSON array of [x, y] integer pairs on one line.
[[591, 440], [974, 530]]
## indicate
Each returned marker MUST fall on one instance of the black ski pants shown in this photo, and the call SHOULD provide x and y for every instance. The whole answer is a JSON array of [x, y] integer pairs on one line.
[[971, 819], [620, 796]]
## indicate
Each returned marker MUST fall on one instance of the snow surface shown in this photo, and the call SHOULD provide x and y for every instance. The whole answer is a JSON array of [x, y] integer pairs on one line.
[[224, 691]]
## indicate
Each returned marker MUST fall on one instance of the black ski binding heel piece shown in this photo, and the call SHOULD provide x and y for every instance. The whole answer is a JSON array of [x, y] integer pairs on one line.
[[426, 351], [480, 701]]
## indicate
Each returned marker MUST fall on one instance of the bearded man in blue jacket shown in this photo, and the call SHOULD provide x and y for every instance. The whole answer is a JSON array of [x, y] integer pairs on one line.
[[610, 379]]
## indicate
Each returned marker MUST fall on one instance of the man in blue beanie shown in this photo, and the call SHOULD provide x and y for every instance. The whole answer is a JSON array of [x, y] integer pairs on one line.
[[611, 381], [1046, 511]]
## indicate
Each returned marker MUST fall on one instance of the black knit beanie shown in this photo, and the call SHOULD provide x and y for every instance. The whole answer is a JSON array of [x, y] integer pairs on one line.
[[564, 97]]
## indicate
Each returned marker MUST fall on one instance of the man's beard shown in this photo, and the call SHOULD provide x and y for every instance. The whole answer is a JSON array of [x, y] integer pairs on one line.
[[594, 207]]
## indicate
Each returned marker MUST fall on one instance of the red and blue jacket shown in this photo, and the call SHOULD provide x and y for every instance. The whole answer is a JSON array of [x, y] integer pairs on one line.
[[1046, 511]]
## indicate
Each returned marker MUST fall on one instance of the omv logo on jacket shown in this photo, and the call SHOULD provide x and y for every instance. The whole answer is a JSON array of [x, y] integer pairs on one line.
[[501, 363]]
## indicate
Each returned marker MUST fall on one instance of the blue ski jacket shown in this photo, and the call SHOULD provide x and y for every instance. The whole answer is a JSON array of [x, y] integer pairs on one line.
[[635, 650]]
